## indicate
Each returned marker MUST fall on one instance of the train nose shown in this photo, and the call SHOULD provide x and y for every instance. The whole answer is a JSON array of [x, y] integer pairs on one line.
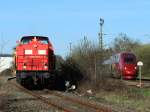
[[130, 70]]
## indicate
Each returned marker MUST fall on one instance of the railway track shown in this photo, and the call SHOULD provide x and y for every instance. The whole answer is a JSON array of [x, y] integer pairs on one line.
[[73, 104], [145, 82], [80, 101], [136, 83], [40, 97]]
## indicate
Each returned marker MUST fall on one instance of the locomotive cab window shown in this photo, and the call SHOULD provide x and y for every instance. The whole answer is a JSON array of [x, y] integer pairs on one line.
[[43, 40], [26, 40]]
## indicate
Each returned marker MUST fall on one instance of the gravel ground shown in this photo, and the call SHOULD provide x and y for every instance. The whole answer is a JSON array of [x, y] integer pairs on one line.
[[13, 100], [3, 102]]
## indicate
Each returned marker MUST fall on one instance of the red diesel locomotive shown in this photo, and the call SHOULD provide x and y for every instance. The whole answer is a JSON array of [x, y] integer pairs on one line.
[[123, 65], [34, 61]]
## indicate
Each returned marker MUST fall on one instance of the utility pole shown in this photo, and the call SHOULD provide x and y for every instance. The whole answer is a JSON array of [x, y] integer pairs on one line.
[[70, 47], [101, 34]]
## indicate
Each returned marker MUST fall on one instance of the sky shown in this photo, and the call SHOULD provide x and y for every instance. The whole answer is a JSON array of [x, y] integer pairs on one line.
[[68, 21]]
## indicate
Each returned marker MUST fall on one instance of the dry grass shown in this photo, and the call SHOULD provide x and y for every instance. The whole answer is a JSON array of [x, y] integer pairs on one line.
[[7, 72], [134, 99], [3, 102]]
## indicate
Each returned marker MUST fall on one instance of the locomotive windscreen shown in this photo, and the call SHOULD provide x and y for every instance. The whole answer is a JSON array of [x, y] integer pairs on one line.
[[129, 58], [26, 40]]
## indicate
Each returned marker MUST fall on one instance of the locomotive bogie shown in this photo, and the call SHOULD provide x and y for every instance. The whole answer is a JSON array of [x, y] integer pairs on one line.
[[27, 79]]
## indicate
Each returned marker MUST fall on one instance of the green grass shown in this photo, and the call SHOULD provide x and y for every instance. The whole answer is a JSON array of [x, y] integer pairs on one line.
[[146, 92], [135, 98]]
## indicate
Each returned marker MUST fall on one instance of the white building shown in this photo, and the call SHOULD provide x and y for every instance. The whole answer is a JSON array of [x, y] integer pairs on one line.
[[5, 61]]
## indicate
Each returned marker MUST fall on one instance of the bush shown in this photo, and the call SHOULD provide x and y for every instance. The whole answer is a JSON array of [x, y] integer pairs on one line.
[[71, 71], [143, 54], [67, 70], [89, 59]]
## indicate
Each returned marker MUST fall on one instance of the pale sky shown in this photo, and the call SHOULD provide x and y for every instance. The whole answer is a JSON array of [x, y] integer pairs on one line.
[[65, 21]]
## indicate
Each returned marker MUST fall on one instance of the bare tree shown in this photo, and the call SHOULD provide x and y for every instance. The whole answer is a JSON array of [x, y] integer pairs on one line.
[[123, 43]]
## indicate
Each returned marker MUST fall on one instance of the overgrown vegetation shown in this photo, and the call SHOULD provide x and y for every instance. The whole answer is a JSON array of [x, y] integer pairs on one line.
[[143, 54], [67, 70], [134, 99]]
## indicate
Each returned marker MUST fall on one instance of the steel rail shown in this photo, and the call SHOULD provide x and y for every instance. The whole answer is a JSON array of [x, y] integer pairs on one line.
[[86, 104], [43, 99], [64, 97]]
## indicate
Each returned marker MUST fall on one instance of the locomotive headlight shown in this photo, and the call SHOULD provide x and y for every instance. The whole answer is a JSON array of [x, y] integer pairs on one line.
[[24, 66], [135, 67], [42, 52], [125, 68], [28, 51], [45, 66]]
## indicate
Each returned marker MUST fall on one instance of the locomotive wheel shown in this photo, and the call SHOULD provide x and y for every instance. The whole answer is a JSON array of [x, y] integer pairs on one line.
[[119, 76], [27, 83], [18, 79]]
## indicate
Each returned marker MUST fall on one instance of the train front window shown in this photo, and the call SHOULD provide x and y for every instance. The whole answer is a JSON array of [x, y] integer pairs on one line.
[[129, 59]]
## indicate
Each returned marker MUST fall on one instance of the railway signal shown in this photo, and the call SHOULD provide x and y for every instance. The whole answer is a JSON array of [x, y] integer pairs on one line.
[[140, 64]]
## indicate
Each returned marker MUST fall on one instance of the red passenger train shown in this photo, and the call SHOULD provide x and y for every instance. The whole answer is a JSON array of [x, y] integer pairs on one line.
[[123, 65], [34, 60]]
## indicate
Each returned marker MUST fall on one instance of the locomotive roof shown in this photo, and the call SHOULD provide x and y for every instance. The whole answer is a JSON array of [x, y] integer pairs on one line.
[[117, 55], [130, 53], [123, 52]]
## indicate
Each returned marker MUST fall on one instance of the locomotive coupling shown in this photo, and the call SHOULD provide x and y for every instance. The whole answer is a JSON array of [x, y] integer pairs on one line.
[[10, 78]]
